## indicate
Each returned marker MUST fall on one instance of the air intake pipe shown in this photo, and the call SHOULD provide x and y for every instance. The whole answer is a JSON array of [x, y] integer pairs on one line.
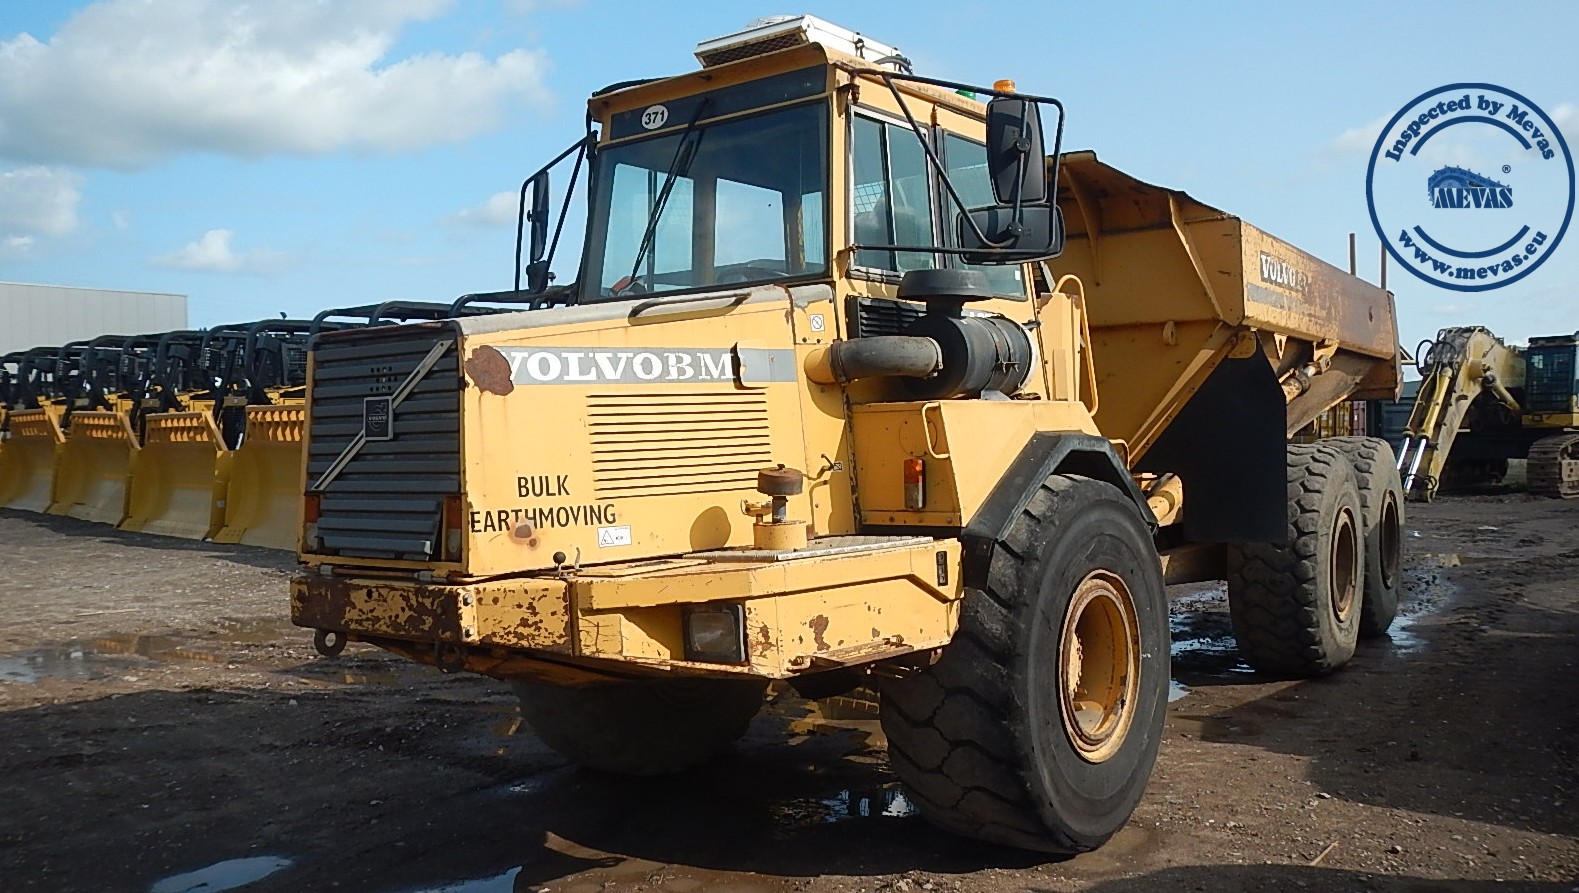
[[943, 353]]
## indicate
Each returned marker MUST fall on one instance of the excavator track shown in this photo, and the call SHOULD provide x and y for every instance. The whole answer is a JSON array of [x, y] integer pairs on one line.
[[1553, 466]]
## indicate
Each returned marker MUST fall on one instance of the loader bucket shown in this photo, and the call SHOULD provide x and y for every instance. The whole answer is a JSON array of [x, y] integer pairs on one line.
[[27, 462], [95, 469], [180, 482], [264, 506]]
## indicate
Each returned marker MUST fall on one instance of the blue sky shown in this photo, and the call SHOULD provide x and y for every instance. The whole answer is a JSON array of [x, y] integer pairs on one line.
[[293, 154]]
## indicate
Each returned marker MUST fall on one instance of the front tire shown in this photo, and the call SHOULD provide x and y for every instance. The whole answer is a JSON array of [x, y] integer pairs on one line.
[[1039, 725], [1296, 605], [646, 727]]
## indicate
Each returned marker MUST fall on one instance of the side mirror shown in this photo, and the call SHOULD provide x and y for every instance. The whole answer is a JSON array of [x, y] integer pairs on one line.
[[539, 216], [1037, 234], [537, 276], [1015, 151]]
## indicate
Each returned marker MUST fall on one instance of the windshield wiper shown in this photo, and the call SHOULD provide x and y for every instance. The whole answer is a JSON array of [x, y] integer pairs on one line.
[[684, 154]]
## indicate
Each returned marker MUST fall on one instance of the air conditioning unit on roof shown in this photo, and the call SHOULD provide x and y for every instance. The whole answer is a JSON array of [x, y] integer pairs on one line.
[[774, 33]]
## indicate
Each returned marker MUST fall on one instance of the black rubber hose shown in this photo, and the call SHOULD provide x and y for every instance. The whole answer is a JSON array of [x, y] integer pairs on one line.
[[910, 356]]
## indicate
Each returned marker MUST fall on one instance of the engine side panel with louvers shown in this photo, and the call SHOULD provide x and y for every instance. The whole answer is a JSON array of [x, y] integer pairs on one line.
[[383, 496], [704, 442]]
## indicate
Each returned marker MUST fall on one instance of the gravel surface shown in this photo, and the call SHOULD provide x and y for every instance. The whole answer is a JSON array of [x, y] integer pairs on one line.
[[165, 730]]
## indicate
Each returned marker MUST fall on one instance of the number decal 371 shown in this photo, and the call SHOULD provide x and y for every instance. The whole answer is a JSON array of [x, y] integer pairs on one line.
[[655, 117]]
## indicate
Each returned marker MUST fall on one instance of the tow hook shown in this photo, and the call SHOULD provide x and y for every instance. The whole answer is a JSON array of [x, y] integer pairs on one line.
[[328, 643]]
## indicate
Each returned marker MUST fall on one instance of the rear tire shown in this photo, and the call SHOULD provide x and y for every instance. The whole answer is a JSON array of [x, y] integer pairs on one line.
[[1039, 725], [1382, 501], [1296, 606], [647, 727]]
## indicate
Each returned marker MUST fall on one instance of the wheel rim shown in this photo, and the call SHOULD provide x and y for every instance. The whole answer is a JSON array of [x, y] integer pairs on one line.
[[1343, 574], [1099, 666], [1391, 541]]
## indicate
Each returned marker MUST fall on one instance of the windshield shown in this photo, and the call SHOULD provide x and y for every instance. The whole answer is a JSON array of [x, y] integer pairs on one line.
[[714, 205]]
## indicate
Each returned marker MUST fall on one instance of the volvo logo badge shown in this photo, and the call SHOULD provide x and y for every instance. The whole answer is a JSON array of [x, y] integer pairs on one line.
[[378, 418]]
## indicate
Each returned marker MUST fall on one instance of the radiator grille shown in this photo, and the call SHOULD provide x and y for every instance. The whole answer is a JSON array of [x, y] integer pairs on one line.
[[388, 500], [691, 443]]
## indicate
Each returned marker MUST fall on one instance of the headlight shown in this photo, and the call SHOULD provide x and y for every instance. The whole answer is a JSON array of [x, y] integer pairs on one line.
[[715, 633]]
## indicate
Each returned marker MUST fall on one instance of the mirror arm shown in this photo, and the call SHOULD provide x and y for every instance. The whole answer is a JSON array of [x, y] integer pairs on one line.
[[588, 146], [932, 159], [580, 147]]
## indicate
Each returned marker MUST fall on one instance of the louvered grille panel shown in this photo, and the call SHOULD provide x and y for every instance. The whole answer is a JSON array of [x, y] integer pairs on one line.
[[879, 316], [388, 499], [674, 445]]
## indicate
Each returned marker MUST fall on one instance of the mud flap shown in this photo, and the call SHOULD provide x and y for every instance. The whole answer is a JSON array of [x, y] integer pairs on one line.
[[182, 477], [27, 462], [93, 476], [264, 504], [1229, 446]]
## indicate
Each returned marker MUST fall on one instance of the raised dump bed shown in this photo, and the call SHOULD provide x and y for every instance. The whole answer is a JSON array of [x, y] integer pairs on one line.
[[264, 503], [1212, 339], [27, 461], [180, 484], [94, 473]]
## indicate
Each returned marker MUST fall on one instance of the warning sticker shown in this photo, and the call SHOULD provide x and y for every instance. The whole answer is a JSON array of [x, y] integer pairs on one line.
[[614, 536]]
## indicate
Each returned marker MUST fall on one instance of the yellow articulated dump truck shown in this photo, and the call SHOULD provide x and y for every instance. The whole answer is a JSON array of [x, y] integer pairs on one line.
[[860, 381]]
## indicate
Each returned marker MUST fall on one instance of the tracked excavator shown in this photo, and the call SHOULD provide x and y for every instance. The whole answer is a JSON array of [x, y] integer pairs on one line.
[[1483, 402]]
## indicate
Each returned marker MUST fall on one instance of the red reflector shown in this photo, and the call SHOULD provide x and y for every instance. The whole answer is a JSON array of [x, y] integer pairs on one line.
[[914, 471], [311, 506]]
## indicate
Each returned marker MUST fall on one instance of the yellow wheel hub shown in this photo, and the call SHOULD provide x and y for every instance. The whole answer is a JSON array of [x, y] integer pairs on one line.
[[1099, 666], [1344, 572]]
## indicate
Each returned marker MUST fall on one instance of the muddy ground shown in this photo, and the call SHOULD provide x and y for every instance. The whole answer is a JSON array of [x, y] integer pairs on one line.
[[163, 729]]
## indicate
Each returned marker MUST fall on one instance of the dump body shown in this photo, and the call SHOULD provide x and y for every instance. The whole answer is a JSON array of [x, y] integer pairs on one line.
[[1213, 341], [1174, 287]]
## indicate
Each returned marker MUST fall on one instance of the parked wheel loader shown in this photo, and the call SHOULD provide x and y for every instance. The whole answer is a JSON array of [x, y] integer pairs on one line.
[[861, 380]]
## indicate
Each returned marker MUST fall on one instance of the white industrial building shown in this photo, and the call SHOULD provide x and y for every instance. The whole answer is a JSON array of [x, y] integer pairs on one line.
[[48, 315]]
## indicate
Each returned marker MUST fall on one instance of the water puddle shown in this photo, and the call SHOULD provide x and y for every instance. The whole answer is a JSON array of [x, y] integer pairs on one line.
[[1426, 592], [502, 883], [882, 802], [108, 655], [1457, 559], [1204, 651], [70, 662], [99, 658], [227, 875], [162, 648]]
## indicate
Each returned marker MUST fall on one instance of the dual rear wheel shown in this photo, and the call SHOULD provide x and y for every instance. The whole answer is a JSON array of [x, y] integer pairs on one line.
[[1300, 607]]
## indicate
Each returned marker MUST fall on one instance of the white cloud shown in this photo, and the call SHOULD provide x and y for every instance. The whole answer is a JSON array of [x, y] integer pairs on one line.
[[1357, 139], [13, 247], [125, 83], [36, 201], [501, 209], [1566, 117], [527, 7], [211, 253]]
